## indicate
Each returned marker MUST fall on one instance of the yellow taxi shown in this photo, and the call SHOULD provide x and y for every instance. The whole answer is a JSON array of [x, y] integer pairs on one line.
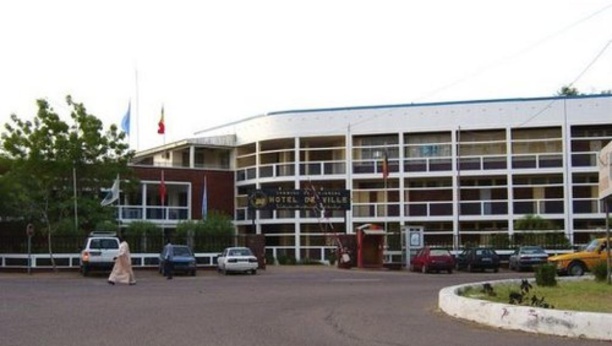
[[577, 263]]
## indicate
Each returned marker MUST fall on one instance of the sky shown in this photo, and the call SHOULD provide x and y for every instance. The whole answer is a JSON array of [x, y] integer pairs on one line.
[[209, 63]]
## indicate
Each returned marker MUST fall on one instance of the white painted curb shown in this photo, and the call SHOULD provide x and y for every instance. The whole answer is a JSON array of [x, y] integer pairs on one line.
[[576, 324]]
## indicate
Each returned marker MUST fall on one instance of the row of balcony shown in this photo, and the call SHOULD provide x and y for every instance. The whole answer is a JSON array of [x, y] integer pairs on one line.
[[431, 164], [439, 209]]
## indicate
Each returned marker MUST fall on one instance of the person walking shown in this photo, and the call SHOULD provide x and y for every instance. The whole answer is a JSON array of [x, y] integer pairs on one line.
[[122, 270], [168, 257]]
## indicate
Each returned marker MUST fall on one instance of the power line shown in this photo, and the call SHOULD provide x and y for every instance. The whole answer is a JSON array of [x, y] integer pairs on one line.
[[515, 55]]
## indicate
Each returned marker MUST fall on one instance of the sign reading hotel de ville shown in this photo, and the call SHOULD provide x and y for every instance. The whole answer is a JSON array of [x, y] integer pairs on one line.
[[299, 199], [605, 171]]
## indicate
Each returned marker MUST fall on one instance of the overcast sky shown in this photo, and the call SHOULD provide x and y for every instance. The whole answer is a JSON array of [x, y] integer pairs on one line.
[[213, 62]]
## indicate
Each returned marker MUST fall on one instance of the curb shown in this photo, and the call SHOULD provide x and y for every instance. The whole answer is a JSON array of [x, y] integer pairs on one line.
[[575, 324]]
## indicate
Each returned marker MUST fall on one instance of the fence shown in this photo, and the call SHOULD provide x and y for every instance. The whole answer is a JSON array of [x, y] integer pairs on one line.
[[144, 249]]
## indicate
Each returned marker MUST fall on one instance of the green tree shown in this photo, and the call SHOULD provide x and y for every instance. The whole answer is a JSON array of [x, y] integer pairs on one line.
[[47, 158], [568, 90], [532, 222]]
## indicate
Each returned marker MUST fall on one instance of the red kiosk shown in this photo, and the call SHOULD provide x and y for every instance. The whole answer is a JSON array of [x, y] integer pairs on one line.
[[370, 246]]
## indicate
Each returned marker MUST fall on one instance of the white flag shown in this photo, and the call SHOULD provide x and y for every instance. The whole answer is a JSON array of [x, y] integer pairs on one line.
[[113, 194]]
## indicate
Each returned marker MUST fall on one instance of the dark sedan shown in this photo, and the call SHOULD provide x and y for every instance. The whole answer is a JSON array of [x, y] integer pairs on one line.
[[183, 260], [525, 257], [478, 259]]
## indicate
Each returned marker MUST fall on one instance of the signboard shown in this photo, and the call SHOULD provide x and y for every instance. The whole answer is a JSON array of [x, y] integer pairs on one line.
[[300, 199], [605, 171]]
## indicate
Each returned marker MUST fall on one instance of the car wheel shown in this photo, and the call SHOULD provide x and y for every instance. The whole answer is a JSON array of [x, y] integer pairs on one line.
[[576, 269], [424, 269], [254, 271], [450, 270], [193, 273], [496, 269]]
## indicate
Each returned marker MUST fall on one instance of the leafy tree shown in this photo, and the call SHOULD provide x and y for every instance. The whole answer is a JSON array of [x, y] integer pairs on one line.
[[532, 222], [216, 224], [212, 234], [47, 158], [144, 236], [568, 90]]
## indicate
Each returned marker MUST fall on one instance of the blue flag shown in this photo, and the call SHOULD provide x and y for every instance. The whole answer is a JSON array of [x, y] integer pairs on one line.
[[125, 122]]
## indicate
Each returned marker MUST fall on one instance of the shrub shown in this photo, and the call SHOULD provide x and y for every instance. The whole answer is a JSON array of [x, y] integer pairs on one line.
[[284, 259], [600, 271], [546, 275], [332, 258], [270, 260], [309, 261]]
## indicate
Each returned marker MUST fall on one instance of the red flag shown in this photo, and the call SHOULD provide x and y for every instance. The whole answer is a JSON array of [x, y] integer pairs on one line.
[[385, 166], [161, 126], [162, 189]]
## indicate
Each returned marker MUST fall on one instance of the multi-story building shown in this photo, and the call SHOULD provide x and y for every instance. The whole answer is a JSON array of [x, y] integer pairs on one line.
[[464, 171]]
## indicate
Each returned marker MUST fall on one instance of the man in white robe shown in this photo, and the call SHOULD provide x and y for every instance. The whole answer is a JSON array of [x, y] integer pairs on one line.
[[122, 270]]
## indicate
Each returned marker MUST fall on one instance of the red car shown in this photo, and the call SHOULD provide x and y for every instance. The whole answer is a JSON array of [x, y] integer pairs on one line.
[[428, 259]]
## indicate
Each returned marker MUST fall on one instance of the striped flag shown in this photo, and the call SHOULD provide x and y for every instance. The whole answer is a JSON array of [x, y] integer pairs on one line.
[[112, 195]]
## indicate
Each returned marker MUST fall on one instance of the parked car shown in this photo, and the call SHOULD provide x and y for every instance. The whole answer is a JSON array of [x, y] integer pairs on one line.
[[428, 259], [525, 257], [481, 258], [577, 263], [99, 252], [237, 259], [183, 260]]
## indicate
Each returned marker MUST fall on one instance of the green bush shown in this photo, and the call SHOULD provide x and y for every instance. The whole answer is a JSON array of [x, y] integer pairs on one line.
[[270, 260], [546, 275], [600, 271], [309, 261], [286, 260]]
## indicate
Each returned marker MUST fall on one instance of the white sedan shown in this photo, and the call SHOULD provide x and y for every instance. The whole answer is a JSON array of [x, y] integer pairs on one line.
[[237, 259]]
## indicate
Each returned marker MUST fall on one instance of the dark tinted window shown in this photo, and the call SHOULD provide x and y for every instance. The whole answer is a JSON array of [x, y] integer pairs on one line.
[[182, 251]]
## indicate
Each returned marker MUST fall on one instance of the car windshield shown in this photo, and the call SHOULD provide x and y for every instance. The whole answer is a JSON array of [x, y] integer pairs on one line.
[[240, 252], [439, 252], [103, 244], [593, 246], [182, 251], [484, 252], [533, 250]]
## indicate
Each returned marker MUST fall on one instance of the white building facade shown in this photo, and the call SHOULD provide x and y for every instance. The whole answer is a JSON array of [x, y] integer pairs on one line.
[[464, 171]]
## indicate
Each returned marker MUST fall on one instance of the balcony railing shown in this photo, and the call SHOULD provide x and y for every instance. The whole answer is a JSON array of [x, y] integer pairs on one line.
[[156, 213]]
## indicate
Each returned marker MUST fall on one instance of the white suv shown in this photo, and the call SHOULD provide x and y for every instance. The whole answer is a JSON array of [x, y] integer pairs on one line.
[[99, 252]]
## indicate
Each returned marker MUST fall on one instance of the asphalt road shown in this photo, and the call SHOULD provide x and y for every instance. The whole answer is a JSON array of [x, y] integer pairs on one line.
[[282, 305]]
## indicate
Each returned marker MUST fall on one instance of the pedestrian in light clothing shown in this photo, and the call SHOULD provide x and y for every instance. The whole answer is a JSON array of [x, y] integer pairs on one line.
[[122, 270], [168, 257]]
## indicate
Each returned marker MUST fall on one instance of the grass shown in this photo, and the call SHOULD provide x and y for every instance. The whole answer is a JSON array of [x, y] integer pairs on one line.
[[579, 295]]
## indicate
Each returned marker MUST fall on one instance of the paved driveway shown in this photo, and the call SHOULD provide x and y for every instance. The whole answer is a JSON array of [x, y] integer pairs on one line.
[[283, 305]]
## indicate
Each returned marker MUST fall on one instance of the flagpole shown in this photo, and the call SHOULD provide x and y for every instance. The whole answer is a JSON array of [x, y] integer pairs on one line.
[[74, 186], [119, 206], [163, 202], [136, 108]]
